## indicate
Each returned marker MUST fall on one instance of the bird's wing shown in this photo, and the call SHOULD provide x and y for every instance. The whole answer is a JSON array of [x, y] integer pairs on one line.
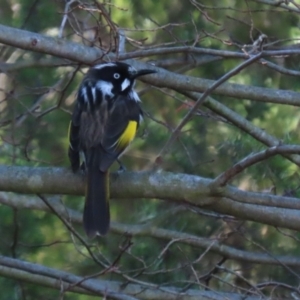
[[120, 130], [74, 139]]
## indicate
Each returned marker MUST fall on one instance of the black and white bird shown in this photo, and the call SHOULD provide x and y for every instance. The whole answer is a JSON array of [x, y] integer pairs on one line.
[[105, 120]]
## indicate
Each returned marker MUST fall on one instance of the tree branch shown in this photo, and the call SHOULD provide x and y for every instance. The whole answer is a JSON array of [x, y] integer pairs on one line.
[[167, 235], [203, 97], [198, 191], [252, 159], [34, 273], [242, 123], [87, 55]]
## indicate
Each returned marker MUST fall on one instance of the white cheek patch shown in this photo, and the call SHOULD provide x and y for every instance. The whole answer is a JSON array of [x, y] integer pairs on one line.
[[84, 94], [125, 84], [105, 87]]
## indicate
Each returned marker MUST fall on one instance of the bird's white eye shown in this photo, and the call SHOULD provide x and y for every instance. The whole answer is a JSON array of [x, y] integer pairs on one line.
[[116, 75]]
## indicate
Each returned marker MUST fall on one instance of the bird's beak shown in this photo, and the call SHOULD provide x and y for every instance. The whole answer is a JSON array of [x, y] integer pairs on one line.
[[142, 72]]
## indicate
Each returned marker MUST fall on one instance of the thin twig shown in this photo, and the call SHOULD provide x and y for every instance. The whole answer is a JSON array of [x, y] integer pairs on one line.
[[200, 101], [252, 159]]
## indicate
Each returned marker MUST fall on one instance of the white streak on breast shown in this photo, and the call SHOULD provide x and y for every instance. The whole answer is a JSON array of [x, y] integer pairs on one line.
[[105, 87], [84, 94], [94, 94]]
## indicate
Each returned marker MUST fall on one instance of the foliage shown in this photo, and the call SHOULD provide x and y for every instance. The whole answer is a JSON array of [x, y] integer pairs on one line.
[[37, 92]]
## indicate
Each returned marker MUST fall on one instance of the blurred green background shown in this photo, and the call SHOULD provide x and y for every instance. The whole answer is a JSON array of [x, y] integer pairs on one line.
[[206, 147]]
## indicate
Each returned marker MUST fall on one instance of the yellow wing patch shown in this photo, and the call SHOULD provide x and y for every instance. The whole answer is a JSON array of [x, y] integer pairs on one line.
[[128, 135]]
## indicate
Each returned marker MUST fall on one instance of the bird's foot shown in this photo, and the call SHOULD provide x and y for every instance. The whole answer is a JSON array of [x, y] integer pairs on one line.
[[83, 169], [122, 168]]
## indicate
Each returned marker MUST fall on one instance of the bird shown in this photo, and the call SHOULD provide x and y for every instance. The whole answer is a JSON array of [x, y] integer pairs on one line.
[[105, 119]]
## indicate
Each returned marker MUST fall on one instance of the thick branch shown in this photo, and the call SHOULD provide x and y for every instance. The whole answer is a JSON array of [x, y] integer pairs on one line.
[[260, 207], [87, 55], [19, 202], [40, 280], [18, 269], [45, 44], [242, 123]]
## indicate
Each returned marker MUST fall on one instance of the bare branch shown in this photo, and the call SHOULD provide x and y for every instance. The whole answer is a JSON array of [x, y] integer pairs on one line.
[[170, 236], [201, 99], [243, 124], [34, 273], [182, 188], [87, 55], [252, 159], [206, 240], [280, 4]]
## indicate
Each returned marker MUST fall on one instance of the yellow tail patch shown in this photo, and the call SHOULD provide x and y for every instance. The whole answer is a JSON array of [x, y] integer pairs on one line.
[[69, 130], [128, 135]]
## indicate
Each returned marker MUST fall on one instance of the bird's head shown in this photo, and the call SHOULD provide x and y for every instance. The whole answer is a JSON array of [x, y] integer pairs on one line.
[[116, 78]]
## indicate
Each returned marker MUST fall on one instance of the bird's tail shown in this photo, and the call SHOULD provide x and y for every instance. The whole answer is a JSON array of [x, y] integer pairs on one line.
[[96, 216]]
